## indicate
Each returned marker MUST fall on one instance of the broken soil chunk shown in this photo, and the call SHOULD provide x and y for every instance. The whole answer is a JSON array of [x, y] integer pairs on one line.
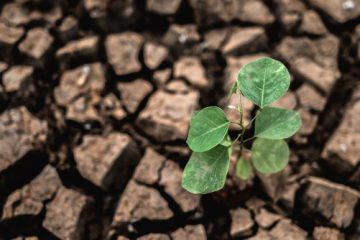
[[123, 50], [87, 79], [274, 184], [165, 7], [215, 38], [29, 200], [265, 219], [82, 110], [261, 235], [313, 73], [20, 133], [310, 98], [177, 86], [286, 230], [111, 106], [15, 14], [255, 204], [329, 203], [287, 101], [160, 77], [290, 12], [79, 91], [244, 39], [132, 93], [314, 61], [37, 42], [86, 47], [312, 23], [18, 78], [190, 232], [147, 172], [96, 8], [255, 12], [3, 67], [68, 214], [242, 223], [122, 238], [107, 161], [69, 28], [308, 122], [192, 70], [154, 236], [323, 233], [180, 34], [154, 54], [138, 202], [342, 151], [287, 199], [26, 238], [209, 12], [171, 176], [336, 11], [8, 38], [166, 116]]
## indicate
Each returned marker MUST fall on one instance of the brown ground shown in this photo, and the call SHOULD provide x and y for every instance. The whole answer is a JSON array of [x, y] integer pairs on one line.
[[95, 101]]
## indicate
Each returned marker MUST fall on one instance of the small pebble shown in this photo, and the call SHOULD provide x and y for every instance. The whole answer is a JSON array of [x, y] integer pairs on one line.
[[183, 38], [87, 126], [343, 147], [232, 107], [85, 69], [348, 5], [131, 228]]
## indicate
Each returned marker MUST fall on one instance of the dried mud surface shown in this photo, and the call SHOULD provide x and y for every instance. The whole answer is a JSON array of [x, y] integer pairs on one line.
[[95, 102]]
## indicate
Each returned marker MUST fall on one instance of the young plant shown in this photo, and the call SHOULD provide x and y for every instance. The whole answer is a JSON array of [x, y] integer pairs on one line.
[[262, 82]]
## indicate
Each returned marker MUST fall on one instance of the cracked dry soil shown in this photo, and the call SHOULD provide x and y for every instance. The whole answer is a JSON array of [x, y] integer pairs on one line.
[[95, 101]]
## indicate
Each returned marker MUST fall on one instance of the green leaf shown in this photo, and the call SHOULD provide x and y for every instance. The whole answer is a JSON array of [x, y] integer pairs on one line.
[[206, 171], [269, 156], [232, 91], [243, 169], [277, 123], [193, 115], [263, 81], [207, 129]]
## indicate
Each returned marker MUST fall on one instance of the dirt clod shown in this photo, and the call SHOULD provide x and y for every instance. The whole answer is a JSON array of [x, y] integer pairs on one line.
[[107, 161], [138, 202], [323, 233], [242, 223], [164, 7], [333, 204], [133, 93], [191, 69], [166, 116], [190, 232], [123, 50]]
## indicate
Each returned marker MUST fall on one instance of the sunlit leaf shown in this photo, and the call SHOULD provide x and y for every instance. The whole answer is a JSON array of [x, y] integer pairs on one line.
[[206, 171], [207, 129], [277, 123], [263, 81]]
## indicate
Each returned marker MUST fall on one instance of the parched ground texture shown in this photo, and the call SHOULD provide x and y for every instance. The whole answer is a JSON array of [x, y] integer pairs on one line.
[[95, 102]]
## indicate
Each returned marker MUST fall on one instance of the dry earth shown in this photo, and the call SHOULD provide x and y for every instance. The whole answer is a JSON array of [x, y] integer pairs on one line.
[[95, 101]]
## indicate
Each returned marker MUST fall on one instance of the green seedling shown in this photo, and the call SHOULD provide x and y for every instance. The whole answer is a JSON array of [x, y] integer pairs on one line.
[[262, 82]]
